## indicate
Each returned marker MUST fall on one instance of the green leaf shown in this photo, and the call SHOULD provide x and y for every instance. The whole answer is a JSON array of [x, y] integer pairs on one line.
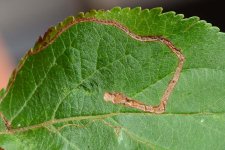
[[54, 99]]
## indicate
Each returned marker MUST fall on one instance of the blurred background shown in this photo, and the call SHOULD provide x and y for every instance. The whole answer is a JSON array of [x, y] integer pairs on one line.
[[22, 21]]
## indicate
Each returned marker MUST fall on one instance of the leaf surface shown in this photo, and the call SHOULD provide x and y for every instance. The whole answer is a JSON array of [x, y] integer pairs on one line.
[[54, 100]]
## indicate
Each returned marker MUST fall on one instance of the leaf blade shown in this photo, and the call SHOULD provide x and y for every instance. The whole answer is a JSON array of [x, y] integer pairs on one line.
[[114, 63]]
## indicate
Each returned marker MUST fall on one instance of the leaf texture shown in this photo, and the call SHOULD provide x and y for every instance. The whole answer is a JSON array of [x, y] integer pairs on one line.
[[54, 99]]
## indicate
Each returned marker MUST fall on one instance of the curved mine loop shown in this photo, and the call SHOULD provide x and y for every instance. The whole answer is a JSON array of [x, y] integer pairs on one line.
[[116, 98]]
